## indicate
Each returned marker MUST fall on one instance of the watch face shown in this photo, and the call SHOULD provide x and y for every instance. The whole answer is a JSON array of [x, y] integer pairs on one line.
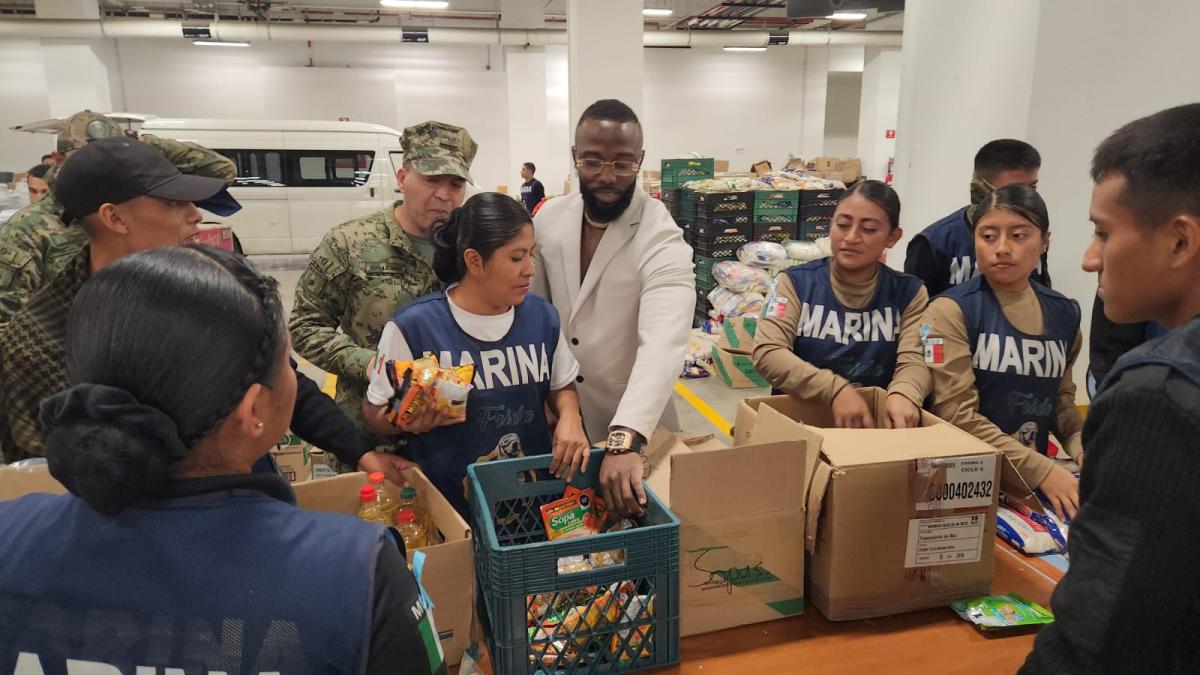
[[618, 439]]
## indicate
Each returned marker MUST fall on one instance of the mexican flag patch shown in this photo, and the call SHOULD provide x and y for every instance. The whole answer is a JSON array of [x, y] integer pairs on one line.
[[934, 351]]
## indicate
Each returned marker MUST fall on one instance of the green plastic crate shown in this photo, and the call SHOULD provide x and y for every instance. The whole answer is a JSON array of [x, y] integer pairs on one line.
[[515, 562], [687, 168]]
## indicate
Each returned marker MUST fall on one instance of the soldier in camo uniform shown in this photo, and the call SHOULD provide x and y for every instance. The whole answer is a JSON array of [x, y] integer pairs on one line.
[[365, 269], [35, 245]]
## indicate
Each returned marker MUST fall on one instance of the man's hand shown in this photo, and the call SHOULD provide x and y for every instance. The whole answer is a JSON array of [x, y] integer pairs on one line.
[[621, 484], [850, 410], [1062, 489], [901, 413], [571, 448], [391, 465]]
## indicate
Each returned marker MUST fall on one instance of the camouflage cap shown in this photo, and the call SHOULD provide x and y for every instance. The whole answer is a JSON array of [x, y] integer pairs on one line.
[[78, 129], [439, 149]]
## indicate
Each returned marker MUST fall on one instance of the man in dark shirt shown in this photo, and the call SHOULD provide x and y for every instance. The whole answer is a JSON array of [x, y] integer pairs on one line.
[[1131, 599], [943, 254], [532, 191]]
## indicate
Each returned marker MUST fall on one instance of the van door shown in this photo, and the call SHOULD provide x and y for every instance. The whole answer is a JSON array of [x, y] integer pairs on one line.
[[329, 182]]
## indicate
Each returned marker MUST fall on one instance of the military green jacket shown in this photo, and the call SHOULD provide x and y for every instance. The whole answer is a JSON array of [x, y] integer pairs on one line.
[[35, 245], [361, 274]]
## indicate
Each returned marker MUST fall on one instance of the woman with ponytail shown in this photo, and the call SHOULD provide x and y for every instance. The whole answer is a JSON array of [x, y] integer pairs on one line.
[[166, 538], [487, 317]]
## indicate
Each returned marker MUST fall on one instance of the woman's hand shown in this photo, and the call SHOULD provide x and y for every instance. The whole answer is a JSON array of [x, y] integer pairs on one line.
[[901, 413], [571, 449], [850, 410], [1062, 489]]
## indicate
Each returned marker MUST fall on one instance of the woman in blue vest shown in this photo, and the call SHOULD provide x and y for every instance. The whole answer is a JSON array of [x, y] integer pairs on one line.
[[1001, 348], [486, 317], [168, 553], [850, 321]]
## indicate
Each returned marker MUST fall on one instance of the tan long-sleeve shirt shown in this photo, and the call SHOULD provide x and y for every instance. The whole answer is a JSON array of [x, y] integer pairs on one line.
[[956, 398], [775, 360]]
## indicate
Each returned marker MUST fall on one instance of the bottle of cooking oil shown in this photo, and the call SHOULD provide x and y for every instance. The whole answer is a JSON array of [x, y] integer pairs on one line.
[[368, 508], [412, 531], [386, 504]]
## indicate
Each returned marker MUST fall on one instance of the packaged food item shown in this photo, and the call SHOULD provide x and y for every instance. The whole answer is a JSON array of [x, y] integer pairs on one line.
[[625, 644], [451, 390], [768, 255], [740, 277], [597, 513], [1000, 612], [411, 383], [368, 507], [567, 517], [410, 530], [800, 252], [731, 305], [1023, 534], [1047, 521]]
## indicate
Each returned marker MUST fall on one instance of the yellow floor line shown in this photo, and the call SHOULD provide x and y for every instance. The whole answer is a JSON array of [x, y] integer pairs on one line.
[[330, 385], [705, 409]]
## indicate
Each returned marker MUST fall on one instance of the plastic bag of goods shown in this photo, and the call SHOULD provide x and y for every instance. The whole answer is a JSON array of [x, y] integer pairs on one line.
[[697, 360], [801, 252], [741, 277], [767, 255], [731, 305]]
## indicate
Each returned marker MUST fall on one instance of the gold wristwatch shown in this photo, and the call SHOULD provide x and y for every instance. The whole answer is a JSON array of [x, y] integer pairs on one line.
[[622, 441]]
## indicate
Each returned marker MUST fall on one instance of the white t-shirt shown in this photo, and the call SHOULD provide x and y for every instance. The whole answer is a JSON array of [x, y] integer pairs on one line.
[[393, 346]]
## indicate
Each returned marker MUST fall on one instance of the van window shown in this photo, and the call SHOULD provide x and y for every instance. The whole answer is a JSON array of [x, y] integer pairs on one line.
[[301, 168]]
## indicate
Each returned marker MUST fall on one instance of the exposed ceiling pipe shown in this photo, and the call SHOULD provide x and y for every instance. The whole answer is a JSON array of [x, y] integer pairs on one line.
[[286, 32]]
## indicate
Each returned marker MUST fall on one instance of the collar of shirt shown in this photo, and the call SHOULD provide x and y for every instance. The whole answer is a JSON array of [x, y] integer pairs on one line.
[[271, 485]]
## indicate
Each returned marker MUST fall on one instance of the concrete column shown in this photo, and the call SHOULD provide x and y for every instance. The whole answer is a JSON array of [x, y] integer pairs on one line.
[[816, 85], [879, 110], [76, 78], [559, 127], [604, 51], [525, 77], [962, 84]]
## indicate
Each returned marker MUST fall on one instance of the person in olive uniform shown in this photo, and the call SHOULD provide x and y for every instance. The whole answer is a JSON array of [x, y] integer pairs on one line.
[[366, 269]]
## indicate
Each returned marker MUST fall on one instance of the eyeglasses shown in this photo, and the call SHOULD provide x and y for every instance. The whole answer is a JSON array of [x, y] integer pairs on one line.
[[619, 168]]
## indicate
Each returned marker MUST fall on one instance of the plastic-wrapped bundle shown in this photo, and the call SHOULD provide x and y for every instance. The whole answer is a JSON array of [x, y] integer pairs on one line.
[[740, 277], [767, 255], [803, 251], [731, 304]]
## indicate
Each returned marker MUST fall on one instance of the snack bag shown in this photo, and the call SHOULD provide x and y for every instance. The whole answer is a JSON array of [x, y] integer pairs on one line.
[[453, 385], [999, 612], [1023, 534], [411, 381]]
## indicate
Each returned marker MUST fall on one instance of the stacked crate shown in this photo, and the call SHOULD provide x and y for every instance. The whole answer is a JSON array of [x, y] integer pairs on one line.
[[775, 215], [816, 212], [723, 222]]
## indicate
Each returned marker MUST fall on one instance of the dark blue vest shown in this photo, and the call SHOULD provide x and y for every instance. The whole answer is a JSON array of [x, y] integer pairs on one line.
[[1178, 349], [953, 246], [857, 344], [1018, 375], [232, 581], [506, 410]]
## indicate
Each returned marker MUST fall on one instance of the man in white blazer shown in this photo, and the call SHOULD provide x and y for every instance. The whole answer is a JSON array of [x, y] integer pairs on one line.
[[614, 264]]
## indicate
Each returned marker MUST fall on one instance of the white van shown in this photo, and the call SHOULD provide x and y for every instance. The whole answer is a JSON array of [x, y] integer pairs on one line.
[[296, 178]]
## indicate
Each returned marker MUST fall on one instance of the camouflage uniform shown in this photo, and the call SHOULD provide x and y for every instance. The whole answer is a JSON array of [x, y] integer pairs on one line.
[[35, 245], [364, 271]]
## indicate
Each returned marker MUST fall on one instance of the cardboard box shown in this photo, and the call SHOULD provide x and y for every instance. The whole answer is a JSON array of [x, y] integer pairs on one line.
[[15, 482], [449, 571], [761, 167], [320, 468], [291, 455], [741, 513], [720, 165], [795, 164], [736, 370], [846, 170], [737, 335], [896, 521]]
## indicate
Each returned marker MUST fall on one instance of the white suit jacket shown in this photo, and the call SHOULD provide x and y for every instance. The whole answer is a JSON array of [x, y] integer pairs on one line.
[[628, 322]]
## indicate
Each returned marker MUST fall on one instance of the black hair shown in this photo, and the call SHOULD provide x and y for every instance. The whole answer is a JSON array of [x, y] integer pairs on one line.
[[1019, 199], [609, 110], [1006, 154], [882, 195], [46, 157], [530, 166], [485, 222], [1159, 156], [135, 332], [39, 170]]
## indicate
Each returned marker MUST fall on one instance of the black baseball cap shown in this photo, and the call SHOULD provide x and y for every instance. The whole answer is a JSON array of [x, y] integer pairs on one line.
[[115, 170]]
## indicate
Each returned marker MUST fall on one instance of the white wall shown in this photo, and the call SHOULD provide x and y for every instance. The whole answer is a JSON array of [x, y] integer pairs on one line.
[[1082, 92], [879, 110], [738, 106], [25, 99], [842, 103]]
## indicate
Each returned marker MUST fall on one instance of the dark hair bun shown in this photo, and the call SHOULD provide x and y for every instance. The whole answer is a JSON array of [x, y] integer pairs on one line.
[[109, 466]]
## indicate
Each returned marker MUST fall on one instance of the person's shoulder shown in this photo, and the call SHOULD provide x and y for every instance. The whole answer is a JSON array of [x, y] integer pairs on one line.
[[42, 216], [1046, 291], [1155, 383], [809, 267], [964, 290], [557, 207], [910, 283], [363, 228], [955, 218]]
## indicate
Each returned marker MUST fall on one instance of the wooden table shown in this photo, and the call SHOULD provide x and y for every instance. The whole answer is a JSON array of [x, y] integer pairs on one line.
[[924, 643]]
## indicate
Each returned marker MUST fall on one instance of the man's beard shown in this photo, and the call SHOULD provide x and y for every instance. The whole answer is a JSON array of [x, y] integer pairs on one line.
[[605, 213]]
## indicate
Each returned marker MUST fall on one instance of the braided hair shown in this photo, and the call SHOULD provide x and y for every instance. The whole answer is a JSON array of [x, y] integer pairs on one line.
[[161, 346]]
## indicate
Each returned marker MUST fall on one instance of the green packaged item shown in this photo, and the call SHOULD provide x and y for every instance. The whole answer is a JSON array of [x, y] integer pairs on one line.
[[1001, 612]]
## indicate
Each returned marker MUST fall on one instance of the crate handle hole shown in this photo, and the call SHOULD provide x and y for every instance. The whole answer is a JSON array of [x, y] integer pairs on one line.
[[586, 564]]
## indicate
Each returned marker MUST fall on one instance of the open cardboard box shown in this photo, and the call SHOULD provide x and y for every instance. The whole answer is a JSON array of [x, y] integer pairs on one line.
[[449, 572], [737, 335], [16, 482], [896, 520], [741, 514]]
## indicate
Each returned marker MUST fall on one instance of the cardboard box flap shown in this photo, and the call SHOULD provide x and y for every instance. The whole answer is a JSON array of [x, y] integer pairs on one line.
[[1011, 483], [340, 495], [858, 447], [822, 474], [775, 427], [719, 484], [15, 482]]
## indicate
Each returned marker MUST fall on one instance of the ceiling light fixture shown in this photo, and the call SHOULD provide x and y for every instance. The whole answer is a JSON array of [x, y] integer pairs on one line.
[[415, 4], [744, 49], [847, 16], [220, 43], [657, 11]]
